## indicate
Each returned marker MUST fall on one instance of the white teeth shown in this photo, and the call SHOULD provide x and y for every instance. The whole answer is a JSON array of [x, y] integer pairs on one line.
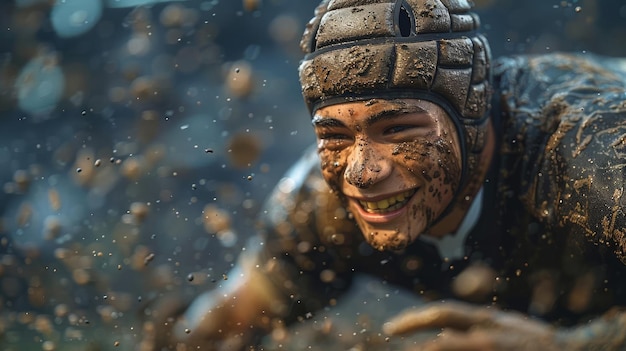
[[389, 204]]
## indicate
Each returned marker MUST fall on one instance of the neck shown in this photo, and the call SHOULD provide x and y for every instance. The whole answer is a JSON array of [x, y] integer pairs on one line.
[[451, 222]]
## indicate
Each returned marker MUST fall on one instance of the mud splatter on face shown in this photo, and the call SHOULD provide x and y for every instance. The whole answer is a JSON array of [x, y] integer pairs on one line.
[[393, 240], [396, 172], [333, 166], [436, 161]]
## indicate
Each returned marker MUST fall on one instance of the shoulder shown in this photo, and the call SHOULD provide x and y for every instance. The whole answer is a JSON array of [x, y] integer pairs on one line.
[[540, 95], [545, 76], [296, 184], [302, 207], [570, 109]]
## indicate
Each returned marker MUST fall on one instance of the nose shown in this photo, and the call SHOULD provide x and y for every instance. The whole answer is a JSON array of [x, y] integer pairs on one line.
[[366, 167]]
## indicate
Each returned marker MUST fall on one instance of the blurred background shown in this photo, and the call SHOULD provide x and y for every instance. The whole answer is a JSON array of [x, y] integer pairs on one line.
[[139, 138]]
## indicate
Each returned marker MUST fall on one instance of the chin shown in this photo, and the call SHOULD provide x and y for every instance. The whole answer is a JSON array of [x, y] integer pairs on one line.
[[383, 240], [389, 236]]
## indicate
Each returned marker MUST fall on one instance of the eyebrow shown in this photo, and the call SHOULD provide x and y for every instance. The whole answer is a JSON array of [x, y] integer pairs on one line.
[[392, 113], [319, 121], [387, 114]]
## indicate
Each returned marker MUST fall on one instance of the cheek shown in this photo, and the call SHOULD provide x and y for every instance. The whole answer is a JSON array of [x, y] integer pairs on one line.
[[436, 161], [332, 164]]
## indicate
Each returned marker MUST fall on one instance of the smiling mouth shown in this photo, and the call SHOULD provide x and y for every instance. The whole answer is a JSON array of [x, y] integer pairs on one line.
[[389, 204]]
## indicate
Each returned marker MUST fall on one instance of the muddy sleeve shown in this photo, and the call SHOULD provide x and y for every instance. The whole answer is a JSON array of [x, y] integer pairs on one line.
[[570, 116], [306, 271]]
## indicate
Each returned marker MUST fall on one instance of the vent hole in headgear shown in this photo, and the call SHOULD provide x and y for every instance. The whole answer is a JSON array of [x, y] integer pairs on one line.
[[404, 22]]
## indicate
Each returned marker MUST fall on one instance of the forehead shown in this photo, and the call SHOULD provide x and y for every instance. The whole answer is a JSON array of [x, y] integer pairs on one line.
[[373, 107]]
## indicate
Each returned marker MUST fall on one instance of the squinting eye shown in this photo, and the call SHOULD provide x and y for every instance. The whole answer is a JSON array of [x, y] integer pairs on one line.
[[397, 129], [333, 141], [333, 136]]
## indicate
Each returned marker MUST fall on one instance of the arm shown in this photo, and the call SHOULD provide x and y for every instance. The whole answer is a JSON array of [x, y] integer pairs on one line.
[[283, 279], [468, 327], [604, 333], [236, 313]]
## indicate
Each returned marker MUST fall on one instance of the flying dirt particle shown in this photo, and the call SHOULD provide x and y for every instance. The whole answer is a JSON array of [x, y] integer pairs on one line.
[[48, 346], [24, 214], [61, 310], [284, 29], [173, 16], [62, 253], [190, 277], [43, 325], [132, 168], [475, 283], [139, 211], [244, 149], [148, 258], [143, 88], [279, 334], [97, 163], [337, 239], [216, 220], [52, 227], [328, 276], [22, 179], [240, 81], [81, 276], [251, 5]]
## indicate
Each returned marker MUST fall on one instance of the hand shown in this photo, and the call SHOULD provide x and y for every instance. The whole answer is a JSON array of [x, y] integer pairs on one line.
[[158, 315], [176, 323], [467, 327]]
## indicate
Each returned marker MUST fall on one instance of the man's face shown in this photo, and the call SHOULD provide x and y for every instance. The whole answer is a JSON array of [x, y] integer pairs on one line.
[[396, 164]]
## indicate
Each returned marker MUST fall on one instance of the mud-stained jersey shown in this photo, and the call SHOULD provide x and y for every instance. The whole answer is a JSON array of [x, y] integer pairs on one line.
[[552, 222]]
